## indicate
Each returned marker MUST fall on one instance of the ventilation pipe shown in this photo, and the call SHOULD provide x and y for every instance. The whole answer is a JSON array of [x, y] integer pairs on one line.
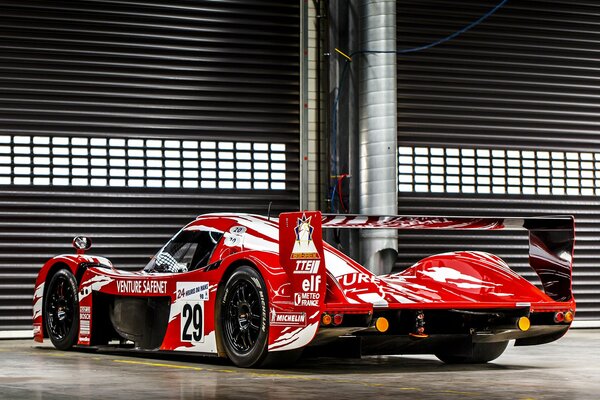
[[378, 137]]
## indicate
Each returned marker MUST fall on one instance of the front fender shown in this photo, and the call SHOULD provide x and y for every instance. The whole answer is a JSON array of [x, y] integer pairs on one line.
[[68, 261]]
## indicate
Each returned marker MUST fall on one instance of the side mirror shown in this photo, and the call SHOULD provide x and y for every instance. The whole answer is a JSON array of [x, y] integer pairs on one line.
[[81, 244]]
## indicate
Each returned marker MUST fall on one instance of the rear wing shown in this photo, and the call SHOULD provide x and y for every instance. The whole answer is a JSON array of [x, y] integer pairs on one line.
[[551, 239]]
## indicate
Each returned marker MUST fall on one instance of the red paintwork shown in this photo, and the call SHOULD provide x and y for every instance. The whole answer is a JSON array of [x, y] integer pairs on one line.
[[304, 266], [296, 265], [403, 222]]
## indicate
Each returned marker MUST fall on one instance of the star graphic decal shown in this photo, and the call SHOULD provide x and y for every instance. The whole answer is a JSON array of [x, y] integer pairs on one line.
[[304, 224]]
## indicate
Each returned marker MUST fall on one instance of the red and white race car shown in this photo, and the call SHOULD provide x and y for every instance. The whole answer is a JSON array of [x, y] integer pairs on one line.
[[259, 291]]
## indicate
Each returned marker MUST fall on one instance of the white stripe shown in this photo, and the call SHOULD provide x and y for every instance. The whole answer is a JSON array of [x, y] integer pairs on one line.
[[28, 334], [586, 324], [336, 266]]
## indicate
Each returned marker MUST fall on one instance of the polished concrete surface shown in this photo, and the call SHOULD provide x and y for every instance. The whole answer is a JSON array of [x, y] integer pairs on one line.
[[566, 369]]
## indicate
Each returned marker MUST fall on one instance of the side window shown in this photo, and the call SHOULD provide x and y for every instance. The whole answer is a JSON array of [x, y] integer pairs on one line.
[[186, 251]]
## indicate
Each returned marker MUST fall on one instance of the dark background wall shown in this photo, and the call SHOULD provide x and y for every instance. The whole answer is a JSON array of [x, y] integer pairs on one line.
[[83, 81], [129, 95], [518, 95]]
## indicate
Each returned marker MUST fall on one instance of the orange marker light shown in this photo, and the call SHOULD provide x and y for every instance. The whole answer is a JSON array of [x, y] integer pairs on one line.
[[382, 324], [569, 316], [326, 319], [524, 324]]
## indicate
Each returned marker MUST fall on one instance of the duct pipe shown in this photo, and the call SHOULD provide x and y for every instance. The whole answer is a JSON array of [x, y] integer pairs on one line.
[[378, 137]]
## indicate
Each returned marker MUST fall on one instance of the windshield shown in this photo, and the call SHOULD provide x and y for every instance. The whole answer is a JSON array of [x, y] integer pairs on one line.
[[186, 251]]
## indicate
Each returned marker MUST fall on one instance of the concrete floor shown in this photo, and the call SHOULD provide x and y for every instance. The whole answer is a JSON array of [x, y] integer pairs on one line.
[[566, 369]]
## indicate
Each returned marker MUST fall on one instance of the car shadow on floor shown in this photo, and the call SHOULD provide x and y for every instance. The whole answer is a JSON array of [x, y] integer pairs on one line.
[[317, 365]]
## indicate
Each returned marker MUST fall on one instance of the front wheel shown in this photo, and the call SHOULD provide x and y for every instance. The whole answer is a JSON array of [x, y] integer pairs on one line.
[[482, 353], [61, 310]]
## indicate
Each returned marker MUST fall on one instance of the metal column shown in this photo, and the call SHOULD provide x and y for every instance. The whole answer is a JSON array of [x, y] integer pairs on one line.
[[378, 148]]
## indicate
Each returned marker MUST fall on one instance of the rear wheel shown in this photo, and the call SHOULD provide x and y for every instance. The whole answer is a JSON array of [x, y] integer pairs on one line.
[[243, 318], [482, 353], [244, 322], [61, 310]]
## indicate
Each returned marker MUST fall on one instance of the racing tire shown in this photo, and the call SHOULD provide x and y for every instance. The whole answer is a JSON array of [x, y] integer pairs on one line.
[[243, 317], [243, 322], [61, 310], [482, 353]]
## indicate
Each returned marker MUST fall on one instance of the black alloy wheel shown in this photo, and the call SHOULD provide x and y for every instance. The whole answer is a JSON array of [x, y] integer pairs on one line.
[[61, 310], [243, 317], [243, 322]]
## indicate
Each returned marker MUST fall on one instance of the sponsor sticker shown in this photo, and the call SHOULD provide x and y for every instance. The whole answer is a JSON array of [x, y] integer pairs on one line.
[[234, 237], [141, 286], [84, 328], [307, 299], [307, 266], [288, 318], [238, 230], [304, 247], [311, 284], [197, 291], [85, 316], [84, 313], [356, 278]]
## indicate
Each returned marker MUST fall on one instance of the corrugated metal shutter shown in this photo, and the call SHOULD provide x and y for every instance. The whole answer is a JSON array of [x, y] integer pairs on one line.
[[177, 73], [526, 78]]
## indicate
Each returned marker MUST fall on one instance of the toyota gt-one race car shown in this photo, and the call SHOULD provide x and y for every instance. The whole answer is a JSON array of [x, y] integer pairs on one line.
[[259, 291]]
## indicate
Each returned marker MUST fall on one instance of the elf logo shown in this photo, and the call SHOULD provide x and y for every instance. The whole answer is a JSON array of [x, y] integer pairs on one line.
[[311, 284], [307, 266]]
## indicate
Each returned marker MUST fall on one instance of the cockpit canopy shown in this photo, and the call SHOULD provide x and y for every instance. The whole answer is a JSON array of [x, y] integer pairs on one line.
[[188, 250]]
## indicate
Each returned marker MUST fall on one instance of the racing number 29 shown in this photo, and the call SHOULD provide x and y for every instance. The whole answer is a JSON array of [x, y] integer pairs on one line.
[[192, 322]]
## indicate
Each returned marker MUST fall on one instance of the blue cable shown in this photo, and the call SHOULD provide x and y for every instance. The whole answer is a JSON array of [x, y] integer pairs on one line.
[[404, 51], [332, 199], [443, 40]]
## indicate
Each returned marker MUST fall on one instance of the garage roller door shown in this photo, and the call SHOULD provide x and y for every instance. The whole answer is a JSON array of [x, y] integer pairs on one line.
[[502, 120], [123, 120]]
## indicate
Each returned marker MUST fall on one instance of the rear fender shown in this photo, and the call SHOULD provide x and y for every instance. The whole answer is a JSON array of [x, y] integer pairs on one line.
[[474, 275], [279, 288], [295, 278]]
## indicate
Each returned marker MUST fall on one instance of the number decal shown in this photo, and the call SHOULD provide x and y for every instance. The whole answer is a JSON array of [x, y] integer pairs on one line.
[[192, 329]]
